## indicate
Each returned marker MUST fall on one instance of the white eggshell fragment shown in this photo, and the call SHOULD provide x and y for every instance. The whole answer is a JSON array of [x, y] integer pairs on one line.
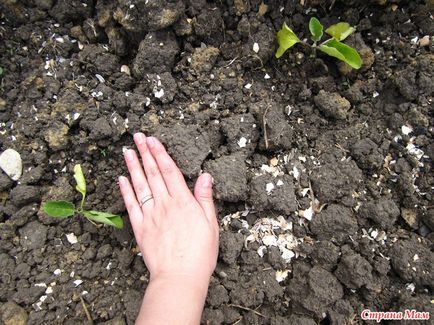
[[281, 275], [242, 142], [72, 238]]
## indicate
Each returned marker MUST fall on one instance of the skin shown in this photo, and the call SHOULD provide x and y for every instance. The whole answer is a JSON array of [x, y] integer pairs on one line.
[[177, 232]]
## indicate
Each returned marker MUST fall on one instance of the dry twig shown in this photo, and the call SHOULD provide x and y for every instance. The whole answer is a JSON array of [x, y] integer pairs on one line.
[[248, 309], [86, 311], [264, 121]]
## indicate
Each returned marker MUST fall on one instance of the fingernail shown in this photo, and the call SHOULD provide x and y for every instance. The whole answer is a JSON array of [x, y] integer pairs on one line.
[[151, 142], [138, 138], [206, 180], [122, 180], [129, 155]]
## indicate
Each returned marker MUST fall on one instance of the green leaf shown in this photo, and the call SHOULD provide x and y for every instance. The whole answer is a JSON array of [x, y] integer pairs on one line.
[[59, 209], [104, 217], [316, 29], [286, 39], [80, 180], [342, 52], [340, 31]]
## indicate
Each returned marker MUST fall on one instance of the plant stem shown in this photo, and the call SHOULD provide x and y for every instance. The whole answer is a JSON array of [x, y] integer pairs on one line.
[[82, 202]]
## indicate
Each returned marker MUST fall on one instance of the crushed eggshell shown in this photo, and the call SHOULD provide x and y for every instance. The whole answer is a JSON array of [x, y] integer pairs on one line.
[[287, 254], [72, 238], [410, 287], [269, 187], [159, 93], [268, 232], [296, 173], [77, 282], [406, 129], [281, 275], [307, 214], [261, 251], [414, 151], [274, 161], [305, 191], [42, 284], [242, 142], [126, 69], [100, 78], [255, 47], [269, 240], [273, 170], [263, 232]]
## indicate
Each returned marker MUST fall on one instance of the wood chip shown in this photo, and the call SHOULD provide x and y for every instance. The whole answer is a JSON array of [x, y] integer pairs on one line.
[[410, 217], [424, 41], [262, 9], [274, 161]]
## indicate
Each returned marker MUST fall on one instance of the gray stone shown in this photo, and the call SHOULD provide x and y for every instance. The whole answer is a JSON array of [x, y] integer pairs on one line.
[[25, 194], [33, 235], [332, 105], [12, 314]]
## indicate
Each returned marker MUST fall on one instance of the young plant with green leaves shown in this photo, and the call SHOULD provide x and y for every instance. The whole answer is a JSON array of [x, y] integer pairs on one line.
[[65, 209], [332, 46]]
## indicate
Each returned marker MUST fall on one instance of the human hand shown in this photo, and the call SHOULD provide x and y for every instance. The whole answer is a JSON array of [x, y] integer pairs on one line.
[[177, 232]]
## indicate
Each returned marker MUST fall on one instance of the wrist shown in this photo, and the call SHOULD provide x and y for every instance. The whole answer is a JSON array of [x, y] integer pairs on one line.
[[175, 281], [173, 299]]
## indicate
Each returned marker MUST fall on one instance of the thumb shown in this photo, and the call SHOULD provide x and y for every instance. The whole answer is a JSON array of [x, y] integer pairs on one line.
[[203, 194]]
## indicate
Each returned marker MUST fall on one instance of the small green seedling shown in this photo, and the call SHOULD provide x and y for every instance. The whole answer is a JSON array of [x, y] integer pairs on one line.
[[65, 209], [333, 46]]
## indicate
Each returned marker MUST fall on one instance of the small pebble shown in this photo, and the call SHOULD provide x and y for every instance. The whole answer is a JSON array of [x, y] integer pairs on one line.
[[424, 41], [125, 69], [10, 162]]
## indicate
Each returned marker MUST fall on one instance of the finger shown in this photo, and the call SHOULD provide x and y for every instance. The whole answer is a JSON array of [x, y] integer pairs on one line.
[[203, 194], [153, 175], [140, 184], [134, 211], [172, 176]]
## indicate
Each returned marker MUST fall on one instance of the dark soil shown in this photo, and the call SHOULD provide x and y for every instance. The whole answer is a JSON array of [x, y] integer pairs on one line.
[[323, 176]]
